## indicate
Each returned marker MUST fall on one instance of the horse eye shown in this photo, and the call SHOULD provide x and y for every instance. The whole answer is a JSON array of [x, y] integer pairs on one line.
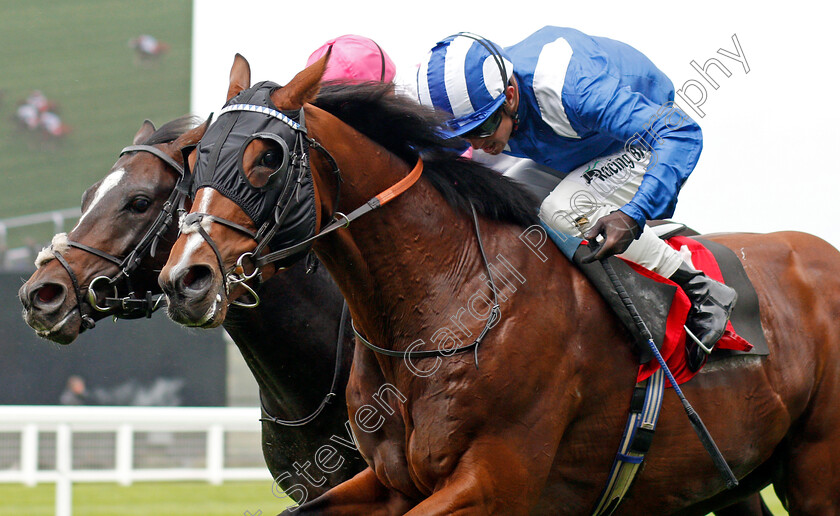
[[271, 159], [139, 204]]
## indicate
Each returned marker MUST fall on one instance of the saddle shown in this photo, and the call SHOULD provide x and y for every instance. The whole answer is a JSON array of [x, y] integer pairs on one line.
[[664, 307], [660, 302]]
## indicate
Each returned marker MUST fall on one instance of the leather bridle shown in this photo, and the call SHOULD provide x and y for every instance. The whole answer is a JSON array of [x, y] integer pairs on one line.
[[129, 306], [298, 168]]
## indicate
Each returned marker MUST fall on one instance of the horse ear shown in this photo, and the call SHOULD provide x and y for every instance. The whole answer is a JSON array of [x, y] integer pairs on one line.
[[240, 76], [192, 136], [146, 130], [303, 88]]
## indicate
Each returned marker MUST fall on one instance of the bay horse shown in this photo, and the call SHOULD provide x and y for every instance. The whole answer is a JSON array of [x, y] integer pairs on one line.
[[284, 349], [529, 421], [291, 353]]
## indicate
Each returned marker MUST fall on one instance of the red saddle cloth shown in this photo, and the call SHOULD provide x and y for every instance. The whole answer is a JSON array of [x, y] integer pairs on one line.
[[673, 347]]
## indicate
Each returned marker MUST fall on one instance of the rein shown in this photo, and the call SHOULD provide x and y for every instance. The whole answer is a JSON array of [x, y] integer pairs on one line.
[[340, 220], [236, 274], [495, 313], [127, 307], [336, 372]]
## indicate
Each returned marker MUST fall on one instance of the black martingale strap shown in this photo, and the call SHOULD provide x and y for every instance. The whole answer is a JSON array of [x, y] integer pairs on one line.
[[495, 313], [339, 347]]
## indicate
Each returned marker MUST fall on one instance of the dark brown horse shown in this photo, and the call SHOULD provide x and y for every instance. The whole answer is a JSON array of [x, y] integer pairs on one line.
[[291, 353], [529, 421]]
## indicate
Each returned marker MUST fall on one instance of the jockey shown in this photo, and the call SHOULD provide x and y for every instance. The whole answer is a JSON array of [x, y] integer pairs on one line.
[[147, 45], [28, 116], [52, 124], [355, 59], [602, 115]]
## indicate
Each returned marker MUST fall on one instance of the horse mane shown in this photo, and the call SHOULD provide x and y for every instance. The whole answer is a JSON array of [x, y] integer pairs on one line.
[[406, 128], [170, 131]]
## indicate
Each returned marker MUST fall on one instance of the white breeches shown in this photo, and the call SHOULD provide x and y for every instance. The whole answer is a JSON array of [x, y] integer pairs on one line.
[[597, 188]]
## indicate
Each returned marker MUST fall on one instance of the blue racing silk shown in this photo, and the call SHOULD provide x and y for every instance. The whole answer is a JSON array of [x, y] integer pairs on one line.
[[583, 97]]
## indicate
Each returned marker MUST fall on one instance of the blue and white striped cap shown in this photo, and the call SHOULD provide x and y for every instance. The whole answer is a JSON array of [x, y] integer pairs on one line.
[[465, 75]]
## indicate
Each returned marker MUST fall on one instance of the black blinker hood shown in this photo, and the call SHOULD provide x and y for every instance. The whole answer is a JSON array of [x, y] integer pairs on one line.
[[219, 166]]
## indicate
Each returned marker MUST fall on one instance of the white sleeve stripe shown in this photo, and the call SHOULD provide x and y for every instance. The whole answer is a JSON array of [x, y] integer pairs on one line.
[[549, 77]]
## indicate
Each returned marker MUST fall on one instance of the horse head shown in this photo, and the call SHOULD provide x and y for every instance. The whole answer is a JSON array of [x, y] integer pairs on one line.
[[280, 160], [121, 239], [249, 172]]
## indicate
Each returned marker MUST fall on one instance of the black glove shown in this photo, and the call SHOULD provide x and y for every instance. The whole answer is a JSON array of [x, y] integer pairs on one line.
[[619, 230]]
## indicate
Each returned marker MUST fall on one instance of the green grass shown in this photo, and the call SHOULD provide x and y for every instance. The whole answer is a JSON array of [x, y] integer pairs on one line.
[[171, 499], [77, 53], [144, 499]]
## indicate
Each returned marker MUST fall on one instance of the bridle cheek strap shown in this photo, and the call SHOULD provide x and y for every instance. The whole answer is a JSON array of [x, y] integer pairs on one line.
[[341, 220]]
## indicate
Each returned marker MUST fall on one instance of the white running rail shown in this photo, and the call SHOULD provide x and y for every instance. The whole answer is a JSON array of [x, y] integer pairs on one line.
[[9, 258], [29, 421]]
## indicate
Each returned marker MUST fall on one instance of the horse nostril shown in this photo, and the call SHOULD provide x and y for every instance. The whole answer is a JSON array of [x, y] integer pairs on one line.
[[198, 277], [47, 294]]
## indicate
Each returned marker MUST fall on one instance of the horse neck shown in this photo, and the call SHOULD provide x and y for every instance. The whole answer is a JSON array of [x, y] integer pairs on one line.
[[398, 268], [288, 341], [409, 266]]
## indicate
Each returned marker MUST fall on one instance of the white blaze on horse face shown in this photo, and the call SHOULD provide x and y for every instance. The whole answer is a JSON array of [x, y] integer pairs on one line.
[[203, 198], [107, 184]]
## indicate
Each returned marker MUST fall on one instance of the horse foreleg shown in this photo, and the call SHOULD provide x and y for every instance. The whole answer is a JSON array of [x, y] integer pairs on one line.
[[487, 480], [471, 494], [362, 494]]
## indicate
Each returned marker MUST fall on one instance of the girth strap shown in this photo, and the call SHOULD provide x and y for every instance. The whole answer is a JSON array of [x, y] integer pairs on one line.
[[635, 443]]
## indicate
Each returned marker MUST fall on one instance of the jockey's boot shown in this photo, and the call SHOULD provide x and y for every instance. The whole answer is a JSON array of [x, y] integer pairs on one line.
[[711, 306]]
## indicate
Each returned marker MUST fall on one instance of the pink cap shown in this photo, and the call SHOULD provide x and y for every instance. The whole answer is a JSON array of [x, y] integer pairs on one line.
[[355, 59]]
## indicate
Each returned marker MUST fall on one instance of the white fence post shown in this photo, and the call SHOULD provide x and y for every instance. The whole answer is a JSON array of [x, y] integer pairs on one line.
[[125, 454], [215, 454], [63, 466], [29, 454]]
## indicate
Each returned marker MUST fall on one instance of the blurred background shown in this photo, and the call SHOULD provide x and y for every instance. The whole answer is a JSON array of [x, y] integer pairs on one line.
[[77, 79]]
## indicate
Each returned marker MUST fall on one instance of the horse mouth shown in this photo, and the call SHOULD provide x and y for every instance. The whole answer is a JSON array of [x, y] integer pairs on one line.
[[212, 317], [62, 332], [208, 320]]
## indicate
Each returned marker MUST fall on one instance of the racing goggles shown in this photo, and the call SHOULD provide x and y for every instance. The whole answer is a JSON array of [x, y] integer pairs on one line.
[[488, 127]]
